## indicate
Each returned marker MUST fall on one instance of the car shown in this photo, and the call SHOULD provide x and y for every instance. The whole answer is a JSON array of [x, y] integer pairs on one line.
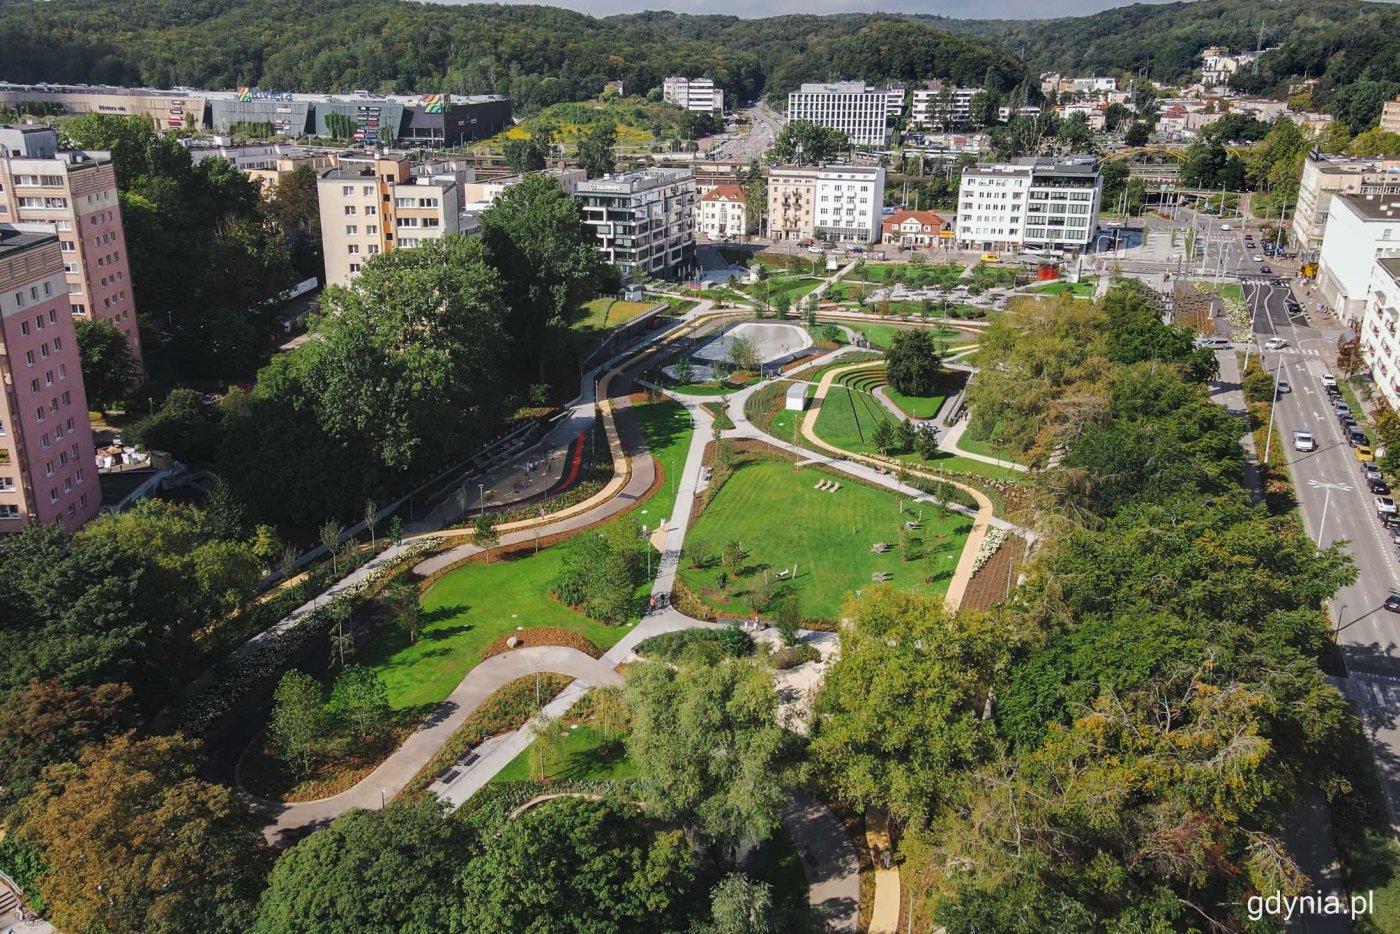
[[1390, 520], [1392, 602], [1213, 343], [1293, 307], [1370, 470], [1346, 423], [855, 249], [1328, 380], [1304, 441], [1357, 438], [1364, 453], [1378, 486], [1283, 387], [1226, 227], [1275, 343], [990, 258], [1259, 259], [1386, 506], [1340, 407], [1266, 270]]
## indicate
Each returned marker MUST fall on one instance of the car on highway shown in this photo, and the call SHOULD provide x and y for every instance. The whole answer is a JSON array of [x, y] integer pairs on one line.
[[1304, 441], [1275, 343], [1329, 381], [1392, 602], [1364, 453]]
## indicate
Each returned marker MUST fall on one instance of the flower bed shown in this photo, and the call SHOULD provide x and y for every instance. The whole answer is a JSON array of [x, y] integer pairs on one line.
[[995, 538]]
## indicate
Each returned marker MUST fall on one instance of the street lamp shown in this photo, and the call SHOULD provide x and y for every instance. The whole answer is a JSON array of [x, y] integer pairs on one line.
[[1326, 500], [481, 497]]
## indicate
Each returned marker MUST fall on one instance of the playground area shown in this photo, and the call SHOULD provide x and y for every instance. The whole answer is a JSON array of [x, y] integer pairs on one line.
[[820, 537]]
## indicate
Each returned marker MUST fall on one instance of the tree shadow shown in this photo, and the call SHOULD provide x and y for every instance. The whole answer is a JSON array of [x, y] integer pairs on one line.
[[443, 613], [446, 632]]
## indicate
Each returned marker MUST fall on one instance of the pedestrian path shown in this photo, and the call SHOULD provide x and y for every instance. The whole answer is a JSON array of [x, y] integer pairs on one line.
[[1226, 390], [829, 860], [884, 913], [954, 433]]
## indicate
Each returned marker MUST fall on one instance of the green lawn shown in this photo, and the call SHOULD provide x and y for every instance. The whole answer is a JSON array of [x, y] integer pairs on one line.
[[916, 406], [1085, 289], [985, 448], [881, 335], [464, 612], [582, 756], [666, 426], [1227, 290], [781, 521], [771, 288]]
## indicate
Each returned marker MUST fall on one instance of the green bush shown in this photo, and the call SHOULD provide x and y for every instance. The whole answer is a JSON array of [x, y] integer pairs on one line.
[[790, 656]]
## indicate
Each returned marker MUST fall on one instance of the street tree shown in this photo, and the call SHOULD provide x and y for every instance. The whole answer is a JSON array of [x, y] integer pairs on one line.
[[108, 366], [808, 143], [595, 149], [300, 725], [330, 533], [485, 535]]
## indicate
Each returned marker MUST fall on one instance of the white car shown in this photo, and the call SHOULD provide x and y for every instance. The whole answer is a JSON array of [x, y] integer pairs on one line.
[[1385, 506], [1303, 441], [1259, 259], [1328, 380], [1226, 227], [1275, 343]]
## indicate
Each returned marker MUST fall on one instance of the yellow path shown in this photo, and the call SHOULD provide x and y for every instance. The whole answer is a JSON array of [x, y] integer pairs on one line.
[[957, 587]]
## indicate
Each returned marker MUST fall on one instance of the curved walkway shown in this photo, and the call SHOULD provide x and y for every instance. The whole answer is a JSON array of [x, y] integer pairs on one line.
[[829, 860], [291, 821], [985, 511], [950, 443]]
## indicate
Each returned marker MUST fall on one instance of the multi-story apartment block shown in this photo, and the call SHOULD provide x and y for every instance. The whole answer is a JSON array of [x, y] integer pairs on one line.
[[1361, 230], [1326, 176], [697, 94], [644, 220], [1390, 116], [1380, 344], [384, 204], [48, 470], [833, 202], [722, 212], [75, 194], [942, 107], [792, 198], [1030, 202], [859, 111]]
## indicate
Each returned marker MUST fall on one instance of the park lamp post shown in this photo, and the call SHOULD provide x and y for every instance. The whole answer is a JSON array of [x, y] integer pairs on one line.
[[481, 498]]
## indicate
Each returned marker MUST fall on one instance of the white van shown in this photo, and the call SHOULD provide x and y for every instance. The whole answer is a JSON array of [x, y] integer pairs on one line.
[[1303, 441]]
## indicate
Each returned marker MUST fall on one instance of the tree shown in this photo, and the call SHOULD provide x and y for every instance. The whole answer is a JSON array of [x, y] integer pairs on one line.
[[548, 738], [360, 697], [739, 905], [806, 142], [392, 869], [610, 713], [526, 155], [680, 718], [901, 708], [735, 642], [733, 557], [1375, 142], [45, 723], [883, 437], [914, 363], [548, 262], [296, 206], [743, 354], [595, 149], [330, 534], [1349, 357], [371, 520], [485, 535], [402, 599], [611, 869], [300, 726], [109, 368], [135, 841], [685, 371]]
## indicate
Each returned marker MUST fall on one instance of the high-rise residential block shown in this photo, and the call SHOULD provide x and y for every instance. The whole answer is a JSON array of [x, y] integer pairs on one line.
[[48, 470], [697, 94], [1361, 229], [644, 220], [1324, 177], [854, 108], [75, 194]]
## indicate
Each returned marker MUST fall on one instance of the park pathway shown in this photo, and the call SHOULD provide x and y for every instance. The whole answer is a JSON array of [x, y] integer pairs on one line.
[[884, 912], [949, 442], [829, 859], [292, 821]]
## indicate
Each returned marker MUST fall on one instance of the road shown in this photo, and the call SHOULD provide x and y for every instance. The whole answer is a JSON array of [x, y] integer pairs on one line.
[[764, 125], [1337, 507]]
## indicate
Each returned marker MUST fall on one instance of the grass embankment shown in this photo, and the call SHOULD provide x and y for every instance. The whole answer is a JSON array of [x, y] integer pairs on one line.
[[584, 754], [782, 522]]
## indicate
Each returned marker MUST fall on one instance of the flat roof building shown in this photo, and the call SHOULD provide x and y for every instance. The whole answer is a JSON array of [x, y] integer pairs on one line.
[[831, 202], [48, 468], [695, 94], [1325, 176], [644, 220], [1049, 203], [856, 109], [1361, 230]]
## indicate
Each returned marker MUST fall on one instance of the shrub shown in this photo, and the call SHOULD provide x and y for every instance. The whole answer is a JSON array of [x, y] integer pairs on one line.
[[790, 656], [685, 645], [735, 642]]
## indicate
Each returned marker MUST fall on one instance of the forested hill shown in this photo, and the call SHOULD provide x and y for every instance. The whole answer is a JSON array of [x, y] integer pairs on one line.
[[537, 55], [1353, 48]]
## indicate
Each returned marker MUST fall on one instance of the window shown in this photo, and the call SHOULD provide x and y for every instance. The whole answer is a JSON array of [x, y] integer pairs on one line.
[[29, 358], [67, 246], [354, 267], [351, 230], [347, 190], [58, 344], [7, 484], [9, 511], [349, 210], [353, 249]]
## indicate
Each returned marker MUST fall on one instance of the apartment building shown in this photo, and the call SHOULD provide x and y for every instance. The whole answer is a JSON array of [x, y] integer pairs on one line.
[[48, 470], [74, 193], [1031, 202], [856, 109], [1390, 116], [697, 94], [1324, 177], [721, 213], [1380, 344], [644, 220], [941, 107], [383, 204], [1361, 229], [838, 203]]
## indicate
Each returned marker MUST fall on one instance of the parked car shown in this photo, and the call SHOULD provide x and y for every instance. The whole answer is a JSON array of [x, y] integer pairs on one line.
[[1304, 441], [1370, 470], [1364, 453], [1357, 438], [1378, 486], [1340, 407], [1346, 423], [1275, 343], [1329, 381]]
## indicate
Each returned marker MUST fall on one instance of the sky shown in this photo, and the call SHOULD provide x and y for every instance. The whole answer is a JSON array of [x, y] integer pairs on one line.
[[961, 9]]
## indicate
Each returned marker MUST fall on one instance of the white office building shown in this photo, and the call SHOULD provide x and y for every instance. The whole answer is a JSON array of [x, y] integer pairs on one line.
[[697, 94], [1361, 229], [856, 109], [644, 220], [1325, 177], [940, 108], [1036, 202]]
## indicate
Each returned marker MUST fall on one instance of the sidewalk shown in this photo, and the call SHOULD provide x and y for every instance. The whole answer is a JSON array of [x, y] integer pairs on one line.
[[949, 442], [1225, 389]]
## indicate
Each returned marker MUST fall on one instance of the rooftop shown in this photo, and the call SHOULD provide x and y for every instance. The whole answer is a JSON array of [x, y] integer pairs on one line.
[[724, 193], [639, 180], [13, 240], [1391, 264], [1373, 207]]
